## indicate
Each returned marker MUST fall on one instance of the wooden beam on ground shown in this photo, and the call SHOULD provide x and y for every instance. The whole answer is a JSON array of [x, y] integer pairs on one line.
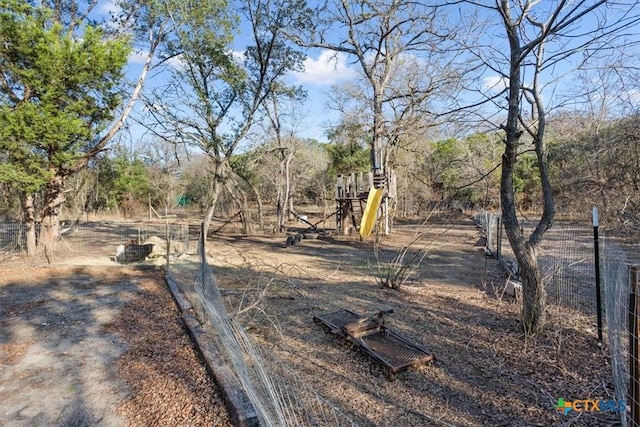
[[313, 227], [178, 296], [227, 222], [240, 409]]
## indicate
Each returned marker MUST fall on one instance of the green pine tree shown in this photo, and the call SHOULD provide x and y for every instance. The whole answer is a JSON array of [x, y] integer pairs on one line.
[[59, 87]]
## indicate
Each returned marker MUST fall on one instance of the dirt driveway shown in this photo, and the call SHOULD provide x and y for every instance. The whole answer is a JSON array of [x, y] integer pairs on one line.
[[83, 346]]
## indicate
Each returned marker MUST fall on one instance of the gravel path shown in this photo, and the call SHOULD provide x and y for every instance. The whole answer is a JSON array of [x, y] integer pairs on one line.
[[98, 346]]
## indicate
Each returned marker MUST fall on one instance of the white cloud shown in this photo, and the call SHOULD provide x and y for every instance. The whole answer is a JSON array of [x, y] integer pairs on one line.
[[329, 68], [138, 57], [107, 7], [238, 55], [494, 83]]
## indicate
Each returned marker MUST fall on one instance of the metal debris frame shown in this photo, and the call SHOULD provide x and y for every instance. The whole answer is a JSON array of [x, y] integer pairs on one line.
[[369, 334]]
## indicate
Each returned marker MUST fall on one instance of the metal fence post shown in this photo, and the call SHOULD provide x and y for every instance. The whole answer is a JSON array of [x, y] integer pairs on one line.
[[499, 239], [634, 361], [596, 250], [168, 242]]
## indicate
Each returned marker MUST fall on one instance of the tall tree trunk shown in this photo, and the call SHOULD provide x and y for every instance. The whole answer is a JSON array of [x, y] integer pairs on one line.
[[376, 138], [256, 192], [208, 217], [284, 204], [280, 196], [218, 183], [247, 220], [290, 209], [287, 185], [345, 214], [533, 292], [29, 212], [260, 216], [534, 298], [53, 200], [534, 295], [240, 199]]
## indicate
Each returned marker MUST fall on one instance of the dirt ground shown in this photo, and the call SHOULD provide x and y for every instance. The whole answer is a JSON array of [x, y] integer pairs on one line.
[[88, 339], [85, 346], [485, 373]]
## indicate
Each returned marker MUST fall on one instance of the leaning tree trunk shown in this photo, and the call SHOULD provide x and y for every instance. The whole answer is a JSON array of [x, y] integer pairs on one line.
[[218, 182]]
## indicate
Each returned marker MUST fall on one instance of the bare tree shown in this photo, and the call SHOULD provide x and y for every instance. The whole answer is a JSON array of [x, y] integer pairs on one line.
[[405, 54], [280, 109], [216, 96], [539, 37], [163, 166]]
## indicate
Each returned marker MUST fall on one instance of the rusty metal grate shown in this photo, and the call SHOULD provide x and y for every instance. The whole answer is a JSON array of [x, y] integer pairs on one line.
[[338, 319], [388, 348]]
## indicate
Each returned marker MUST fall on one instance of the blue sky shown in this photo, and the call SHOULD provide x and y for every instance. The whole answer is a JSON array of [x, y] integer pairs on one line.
[[322, 69]]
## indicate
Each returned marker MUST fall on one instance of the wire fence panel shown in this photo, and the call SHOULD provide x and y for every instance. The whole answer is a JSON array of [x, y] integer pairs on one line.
[[615, 281], [98, 243], [568, 268], [12, 238], [567, 261], [565, 257], [278, 395]]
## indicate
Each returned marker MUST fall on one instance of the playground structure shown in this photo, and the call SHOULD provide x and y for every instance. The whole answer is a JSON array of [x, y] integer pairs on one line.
[[351, 194]]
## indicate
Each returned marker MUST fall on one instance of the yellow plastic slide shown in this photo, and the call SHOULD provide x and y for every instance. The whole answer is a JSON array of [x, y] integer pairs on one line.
[[370, 212]]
